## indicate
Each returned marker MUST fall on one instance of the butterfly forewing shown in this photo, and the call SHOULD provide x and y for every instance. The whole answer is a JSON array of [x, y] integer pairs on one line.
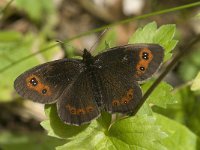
[[46, 82], [140, 60], [147, 59]]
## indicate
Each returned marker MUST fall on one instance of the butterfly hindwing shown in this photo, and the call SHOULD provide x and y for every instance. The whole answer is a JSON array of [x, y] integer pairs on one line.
[[46, 82], [77, 104], [120, 93]]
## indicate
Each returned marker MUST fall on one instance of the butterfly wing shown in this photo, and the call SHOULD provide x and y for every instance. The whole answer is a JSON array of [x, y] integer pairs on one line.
[[120, 68], [140, 60], [77, 104], [120, 93], [46, 82]]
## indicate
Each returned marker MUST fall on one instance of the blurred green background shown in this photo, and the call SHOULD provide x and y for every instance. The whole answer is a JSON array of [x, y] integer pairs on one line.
[[30, 26]]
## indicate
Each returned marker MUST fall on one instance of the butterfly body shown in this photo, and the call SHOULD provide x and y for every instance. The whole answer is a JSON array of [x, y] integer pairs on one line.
[[83, 88]]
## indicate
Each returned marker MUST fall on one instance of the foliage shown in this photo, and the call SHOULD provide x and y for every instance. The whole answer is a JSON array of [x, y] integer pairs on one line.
[[179, 136]]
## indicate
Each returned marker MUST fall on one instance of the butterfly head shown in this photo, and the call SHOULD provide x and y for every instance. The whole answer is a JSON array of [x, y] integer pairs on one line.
[[87, 57]]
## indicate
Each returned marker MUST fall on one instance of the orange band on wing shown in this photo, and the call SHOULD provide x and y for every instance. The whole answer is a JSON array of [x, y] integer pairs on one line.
[[145, 57], [79, 111], [125, 99], [34, 83]]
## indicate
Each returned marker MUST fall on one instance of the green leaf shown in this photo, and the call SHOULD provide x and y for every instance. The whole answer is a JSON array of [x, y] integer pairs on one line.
[[196, 83], [180, 137], [134, 133], [162, 95], [105, 120], [144, 35], [145, 109], [56, 127], [162, 36]]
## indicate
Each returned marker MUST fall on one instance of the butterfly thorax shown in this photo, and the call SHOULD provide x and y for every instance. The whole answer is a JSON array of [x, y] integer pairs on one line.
[[88, 59], [91, 71]]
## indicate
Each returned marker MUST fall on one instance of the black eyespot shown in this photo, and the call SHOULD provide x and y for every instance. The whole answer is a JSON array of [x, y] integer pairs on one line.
[[142, 68], [33, 82], [44, 91], [145, 55]]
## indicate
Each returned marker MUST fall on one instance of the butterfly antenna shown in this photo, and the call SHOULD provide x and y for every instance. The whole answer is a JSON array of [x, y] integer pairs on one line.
[[63, 46], [99, 37]]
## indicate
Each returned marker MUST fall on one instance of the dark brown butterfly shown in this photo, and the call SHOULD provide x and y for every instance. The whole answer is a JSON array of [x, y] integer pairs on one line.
[[82, 88]]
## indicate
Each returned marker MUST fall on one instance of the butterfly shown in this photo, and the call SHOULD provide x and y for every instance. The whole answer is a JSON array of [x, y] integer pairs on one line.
[[83, 88]]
